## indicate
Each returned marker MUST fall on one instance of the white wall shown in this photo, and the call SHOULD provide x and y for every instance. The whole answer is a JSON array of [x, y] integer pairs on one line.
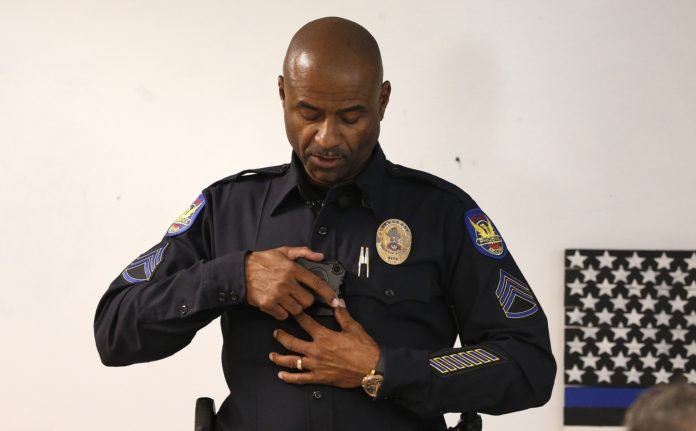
[[575, 124]]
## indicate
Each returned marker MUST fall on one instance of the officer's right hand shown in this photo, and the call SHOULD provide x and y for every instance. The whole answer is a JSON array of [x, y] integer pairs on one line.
[[273, 281]]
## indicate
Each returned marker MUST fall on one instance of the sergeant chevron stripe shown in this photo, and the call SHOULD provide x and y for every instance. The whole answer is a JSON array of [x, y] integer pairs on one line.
[[515, 297], [464, 360], [142, 268]]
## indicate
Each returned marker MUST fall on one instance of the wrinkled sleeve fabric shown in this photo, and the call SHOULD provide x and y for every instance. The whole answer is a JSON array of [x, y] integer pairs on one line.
[[505, 363], [159, 301]]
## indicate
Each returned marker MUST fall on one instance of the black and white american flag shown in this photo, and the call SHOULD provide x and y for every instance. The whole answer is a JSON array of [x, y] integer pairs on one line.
[[630, 321]]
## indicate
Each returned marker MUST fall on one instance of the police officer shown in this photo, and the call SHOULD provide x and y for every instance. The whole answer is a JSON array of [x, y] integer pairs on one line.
[[422, 264]]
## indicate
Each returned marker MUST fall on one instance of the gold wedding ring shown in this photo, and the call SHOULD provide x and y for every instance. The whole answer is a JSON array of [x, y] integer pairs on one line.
[[299, 364]]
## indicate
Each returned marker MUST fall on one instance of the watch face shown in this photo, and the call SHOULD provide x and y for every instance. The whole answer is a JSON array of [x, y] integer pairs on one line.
[[372, 385]]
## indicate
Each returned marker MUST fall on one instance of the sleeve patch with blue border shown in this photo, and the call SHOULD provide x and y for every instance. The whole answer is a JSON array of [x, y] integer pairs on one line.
[[515, 297], [186, 219], [484, 234], [144, 266], [465, 360]]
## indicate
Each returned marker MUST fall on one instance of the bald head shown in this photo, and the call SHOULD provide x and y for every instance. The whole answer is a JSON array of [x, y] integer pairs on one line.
[[333, 46]]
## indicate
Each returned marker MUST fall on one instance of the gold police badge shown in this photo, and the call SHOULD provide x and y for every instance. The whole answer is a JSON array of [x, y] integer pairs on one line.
[[393, 241]]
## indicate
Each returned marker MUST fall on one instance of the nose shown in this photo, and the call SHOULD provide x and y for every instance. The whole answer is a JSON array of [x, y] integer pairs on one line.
[[328, 136]]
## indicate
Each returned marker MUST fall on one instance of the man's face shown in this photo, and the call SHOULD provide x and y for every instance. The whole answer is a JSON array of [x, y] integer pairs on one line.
[[332, 119]]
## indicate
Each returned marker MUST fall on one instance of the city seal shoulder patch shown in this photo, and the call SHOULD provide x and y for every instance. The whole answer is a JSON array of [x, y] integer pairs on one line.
[[394, 241], [484, 234], [515, 297], [186, 219], [143, 267]]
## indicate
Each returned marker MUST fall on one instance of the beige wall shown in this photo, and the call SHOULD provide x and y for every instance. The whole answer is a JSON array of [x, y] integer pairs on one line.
[[575, 123]]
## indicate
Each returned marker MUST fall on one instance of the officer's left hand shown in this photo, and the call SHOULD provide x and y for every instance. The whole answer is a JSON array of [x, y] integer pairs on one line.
[[339, 359]]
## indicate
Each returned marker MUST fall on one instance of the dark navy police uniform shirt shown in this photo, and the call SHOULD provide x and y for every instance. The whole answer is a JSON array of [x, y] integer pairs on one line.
[[437, 267]]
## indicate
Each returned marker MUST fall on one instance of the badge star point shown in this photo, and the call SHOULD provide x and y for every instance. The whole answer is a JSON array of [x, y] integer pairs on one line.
[[606, 260], [577, 260], [663, 262], [635, 261]]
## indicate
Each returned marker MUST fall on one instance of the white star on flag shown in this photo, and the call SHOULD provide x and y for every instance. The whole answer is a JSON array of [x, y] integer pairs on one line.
[[577, 260], [605, 346], [575, 374], [603, 374], [678, 304], [588, 302], [576, 345], [648, 303], [575, 316], [589, 274], [605, 288], [589, 360], [662, 318], [691, 262], [633, 347], [678, 362], [662, 347], [649, 333], [691, 318], [620, 360], [620, 332], [632, 375], [691, 376], [678, 276], [691, 349], [691, 290], [619, 302], [633, 317], [621, 274], [679, 333], [649, 276], [662, 376], [576, 287], [606, 260], [649, 361], [635, 261], [604, 316], [589, 332], [635, 289], [663, 262], [663, 289]]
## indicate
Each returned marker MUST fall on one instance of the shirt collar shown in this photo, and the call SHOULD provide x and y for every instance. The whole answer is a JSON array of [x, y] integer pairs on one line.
[[369, 182]]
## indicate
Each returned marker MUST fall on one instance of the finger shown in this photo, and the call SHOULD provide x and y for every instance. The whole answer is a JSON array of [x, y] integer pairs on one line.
[[291, 343], [343, 317], [289, 361], [291, 305], [296, 252], [317, 285], [302, 296], [309, 324], [276, 311], [299, 378]]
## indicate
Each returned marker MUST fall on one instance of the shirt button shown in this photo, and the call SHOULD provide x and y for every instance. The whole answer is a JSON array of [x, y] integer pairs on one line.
[[234, 297], [183, 309], [222, 297], [322, 230], [317, 395], [390, 293]]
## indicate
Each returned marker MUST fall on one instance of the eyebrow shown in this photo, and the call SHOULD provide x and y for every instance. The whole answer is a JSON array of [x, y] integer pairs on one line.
[[355, 108]]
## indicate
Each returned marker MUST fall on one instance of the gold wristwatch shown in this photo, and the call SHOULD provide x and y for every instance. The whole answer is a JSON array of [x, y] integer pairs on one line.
[[372, 382]]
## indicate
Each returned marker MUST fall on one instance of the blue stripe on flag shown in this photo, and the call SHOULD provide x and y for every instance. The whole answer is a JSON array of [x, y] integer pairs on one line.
[[601, 397]]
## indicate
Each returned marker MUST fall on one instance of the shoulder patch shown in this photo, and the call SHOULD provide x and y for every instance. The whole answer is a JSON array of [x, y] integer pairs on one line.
[[515, 297], [484, 234], [469, 359], [186, 219], [144, 266]]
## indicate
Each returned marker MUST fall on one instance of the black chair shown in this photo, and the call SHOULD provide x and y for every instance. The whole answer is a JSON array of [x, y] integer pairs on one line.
[[205, 414]]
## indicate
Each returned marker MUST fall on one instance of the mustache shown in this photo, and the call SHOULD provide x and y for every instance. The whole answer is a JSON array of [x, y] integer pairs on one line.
[[322, 152]]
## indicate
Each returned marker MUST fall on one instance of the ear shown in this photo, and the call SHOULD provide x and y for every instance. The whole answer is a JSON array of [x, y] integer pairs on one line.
[[384, 94], [281, 89]]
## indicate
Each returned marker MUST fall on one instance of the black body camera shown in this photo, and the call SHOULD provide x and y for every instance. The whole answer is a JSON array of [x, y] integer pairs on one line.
[[332, 272]]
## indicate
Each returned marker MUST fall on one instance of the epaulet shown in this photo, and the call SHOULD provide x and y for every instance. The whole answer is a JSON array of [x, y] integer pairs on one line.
[[404, 172], [268, 171]]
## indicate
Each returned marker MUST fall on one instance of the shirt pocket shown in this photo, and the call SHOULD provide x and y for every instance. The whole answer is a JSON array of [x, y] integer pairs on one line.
[[394, 284]]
